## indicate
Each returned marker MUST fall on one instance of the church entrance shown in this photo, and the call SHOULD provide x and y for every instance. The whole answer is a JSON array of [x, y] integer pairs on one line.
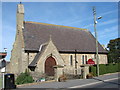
[[49, 63]]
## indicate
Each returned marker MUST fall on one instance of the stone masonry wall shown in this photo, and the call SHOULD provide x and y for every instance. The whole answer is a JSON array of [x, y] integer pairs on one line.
[[50, 50], [17, 53], [71, 68]]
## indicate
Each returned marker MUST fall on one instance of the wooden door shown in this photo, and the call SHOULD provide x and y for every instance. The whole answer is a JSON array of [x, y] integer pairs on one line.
[[49, 63]]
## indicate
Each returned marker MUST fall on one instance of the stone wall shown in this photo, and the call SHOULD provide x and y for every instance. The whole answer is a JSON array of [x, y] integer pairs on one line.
[[31, 57], [50, 50], [71, 68], [64, 59], [18, 57]]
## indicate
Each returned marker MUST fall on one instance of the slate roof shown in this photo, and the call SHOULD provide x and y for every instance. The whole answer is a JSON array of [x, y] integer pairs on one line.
[[3, 55], [65, 38], [38, 55]]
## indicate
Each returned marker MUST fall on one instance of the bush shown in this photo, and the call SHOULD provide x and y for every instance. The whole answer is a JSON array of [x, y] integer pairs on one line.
[[105, 68], [90, 75], [62, 78], [102, 69], [93, 69], [24, 78]]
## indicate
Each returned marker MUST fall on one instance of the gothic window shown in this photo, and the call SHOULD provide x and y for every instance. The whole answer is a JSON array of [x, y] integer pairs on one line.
[[86, 59], [83, 59], [94, 56], [71, 60]]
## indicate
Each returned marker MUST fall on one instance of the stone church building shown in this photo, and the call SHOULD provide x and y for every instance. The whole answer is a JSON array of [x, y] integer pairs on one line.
[[41, 46]]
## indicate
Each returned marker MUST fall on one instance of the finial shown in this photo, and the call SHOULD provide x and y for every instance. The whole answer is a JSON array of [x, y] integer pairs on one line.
[[20, 2]]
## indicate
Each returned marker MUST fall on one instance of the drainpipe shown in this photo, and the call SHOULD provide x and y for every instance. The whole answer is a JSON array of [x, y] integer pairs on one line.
[[75, 62], [42, 46], [28, 60]]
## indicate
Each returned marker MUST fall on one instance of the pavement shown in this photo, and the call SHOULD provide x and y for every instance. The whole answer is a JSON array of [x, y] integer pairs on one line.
[[72, 83], [112, 83]]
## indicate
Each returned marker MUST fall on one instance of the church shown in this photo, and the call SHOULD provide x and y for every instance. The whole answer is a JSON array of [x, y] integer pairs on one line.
[[39, 47]]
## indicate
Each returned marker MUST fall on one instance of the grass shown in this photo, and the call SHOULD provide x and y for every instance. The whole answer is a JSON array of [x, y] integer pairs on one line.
[[0, 82]]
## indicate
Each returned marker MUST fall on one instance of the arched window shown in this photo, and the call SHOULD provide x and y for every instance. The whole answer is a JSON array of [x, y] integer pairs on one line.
[[86, 59], [94, 56], [71, 60], [83, 59]]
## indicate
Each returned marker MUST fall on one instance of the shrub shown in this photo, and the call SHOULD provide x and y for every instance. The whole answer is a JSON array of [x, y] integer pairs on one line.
[[93, 69], [90, 75], [118, 67], [62, 78], [24, 78], [104, 69]]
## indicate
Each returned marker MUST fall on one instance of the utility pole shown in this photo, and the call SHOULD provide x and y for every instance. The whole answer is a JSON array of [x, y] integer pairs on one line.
[[95, 22]]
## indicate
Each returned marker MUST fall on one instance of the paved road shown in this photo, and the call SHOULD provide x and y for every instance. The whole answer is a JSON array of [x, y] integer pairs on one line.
[[106, 84], [77, 82], [101, 84]]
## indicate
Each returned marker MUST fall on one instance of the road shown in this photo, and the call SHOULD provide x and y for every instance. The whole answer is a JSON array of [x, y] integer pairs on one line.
[[106, 84], [101, 84], [105, 81]]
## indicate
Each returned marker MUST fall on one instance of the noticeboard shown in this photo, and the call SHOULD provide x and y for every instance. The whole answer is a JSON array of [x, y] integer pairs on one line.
[[91, 62]]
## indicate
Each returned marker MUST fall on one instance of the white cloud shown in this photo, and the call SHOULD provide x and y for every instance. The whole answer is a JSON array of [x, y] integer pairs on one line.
[[87, 26], [106, 13], [99, 24], [78, 19], [108, 33], [108, 22], [102, 23]]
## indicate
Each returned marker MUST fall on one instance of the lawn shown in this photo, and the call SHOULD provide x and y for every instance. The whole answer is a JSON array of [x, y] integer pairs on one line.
[[0, 81]]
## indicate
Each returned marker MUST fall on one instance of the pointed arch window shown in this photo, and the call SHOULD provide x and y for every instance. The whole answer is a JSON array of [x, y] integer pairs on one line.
[[86, 59], [71, 60], [83, 59]]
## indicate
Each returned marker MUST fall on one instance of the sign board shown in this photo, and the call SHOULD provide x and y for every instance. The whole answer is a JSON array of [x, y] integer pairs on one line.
[[3, 70], [91, 62], [42, 79]]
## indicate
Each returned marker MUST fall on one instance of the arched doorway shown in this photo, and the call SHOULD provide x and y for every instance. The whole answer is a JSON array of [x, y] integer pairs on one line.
[[49, 63]]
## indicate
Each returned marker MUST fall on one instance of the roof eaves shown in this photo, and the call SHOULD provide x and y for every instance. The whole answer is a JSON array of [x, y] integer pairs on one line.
[[55, 25]]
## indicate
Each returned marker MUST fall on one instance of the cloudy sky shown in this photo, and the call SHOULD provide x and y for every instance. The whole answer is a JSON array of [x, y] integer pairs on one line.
[[74, 14]]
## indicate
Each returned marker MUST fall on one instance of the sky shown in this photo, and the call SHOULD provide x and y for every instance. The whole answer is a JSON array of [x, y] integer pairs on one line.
[[74, 14]]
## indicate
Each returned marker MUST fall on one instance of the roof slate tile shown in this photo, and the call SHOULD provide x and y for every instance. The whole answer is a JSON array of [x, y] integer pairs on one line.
[[65, 38]]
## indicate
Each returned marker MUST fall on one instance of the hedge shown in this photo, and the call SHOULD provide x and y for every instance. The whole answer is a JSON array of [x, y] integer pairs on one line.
[[93, 69], [105, 68]]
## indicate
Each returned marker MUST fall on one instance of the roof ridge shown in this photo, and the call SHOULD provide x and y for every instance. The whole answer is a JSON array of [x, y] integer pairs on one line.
[[55, 25]]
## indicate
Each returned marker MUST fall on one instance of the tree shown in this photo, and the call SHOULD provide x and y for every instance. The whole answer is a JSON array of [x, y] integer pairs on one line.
[[114, 51]]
